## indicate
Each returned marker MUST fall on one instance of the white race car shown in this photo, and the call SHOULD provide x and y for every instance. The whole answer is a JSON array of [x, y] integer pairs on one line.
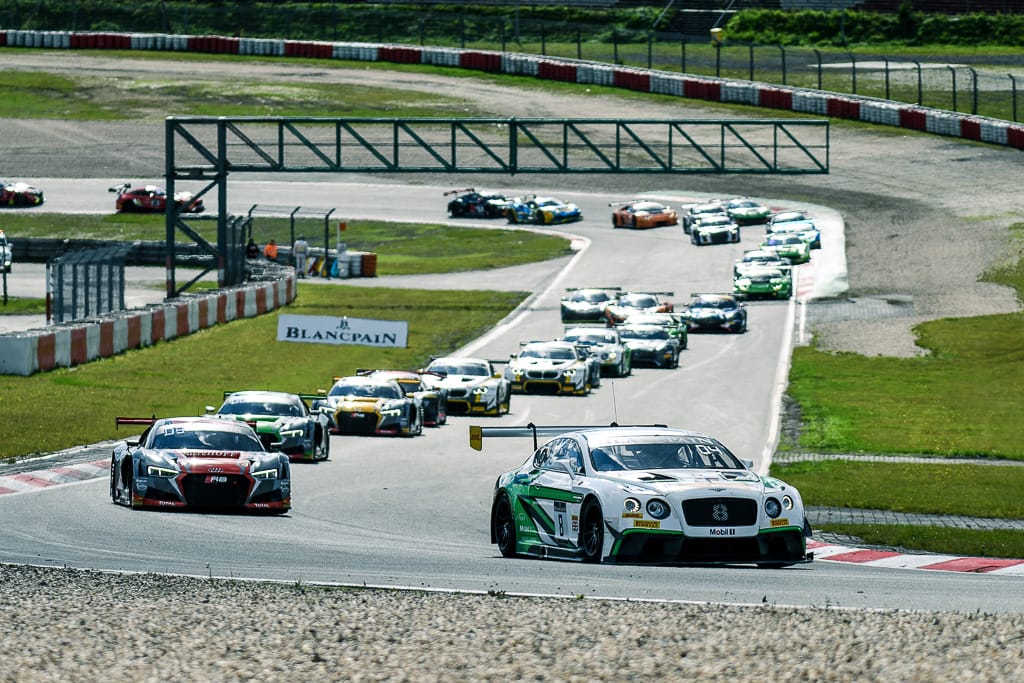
[[553, 367], [474, 386], [642, 494]]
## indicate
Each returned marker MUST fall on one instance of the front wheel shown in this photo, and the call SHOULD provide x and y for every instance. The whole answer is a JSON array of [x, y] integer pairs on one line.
[[504, 527], [592, 532]]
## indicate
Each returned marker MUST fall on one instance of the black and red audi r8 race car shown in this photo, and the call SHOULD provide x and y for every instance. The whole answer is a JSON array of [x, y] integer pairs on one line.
[[153, 199], [470, 203], [199, 462]]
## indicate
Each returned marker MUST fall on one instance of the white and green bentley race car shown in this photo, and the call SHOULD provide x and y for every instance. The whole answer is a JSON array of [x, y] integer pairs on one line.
[[647, 494]]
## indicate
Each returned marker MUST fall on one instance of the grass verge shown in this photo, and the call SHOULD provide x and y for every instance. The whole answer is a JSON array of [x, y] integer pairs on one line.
[[182, 376], [16, 306], [960, 542], [402, 248]]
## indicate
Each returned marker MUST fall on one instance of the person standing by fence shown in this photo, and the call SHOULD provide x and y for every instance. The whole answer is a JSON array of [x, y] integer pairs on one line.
[[270, 250], [301, 251]]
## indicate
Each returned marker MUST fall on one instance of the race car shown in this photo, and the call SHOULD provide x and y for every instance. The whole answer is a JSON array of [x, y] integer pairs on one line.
[[469, 203], [474, 387], [637, 302], [753, 258], [714, 229], [283, 422], [19, 194], [766, 282], [551, 367], [587, 304], [715, 312], [673, 322], [198, 462], [642, 213], [788, 245], [650, 344], [413, 383], [798, 222], [6, 252], [695, 212], [745, 211], [367, 405], [541, 210], [616, 359], [642, 494], [153, 199]]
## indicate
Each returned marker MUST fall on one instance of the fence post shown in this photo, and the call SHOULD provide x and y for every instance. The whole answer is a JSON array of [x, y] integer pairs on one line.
[[886, 60], [419, 21], [615, 46], [650, 48], [974, 90], [543, 42], [782, 55], [919, 83], [818, 55], [579, 44], [853, 71], [502, 34], [682, 54], [1013, 96], [953, 72], [750, 53]]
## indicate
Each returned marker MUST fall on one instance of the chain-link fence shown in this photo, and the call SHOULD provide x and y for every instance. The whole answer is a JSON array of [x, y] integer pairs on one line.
[[86, 283]]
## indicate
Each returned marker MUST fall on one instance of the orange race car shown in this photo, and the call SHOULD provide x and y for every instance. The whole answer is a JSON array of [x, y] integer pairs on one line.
[[642, 213]]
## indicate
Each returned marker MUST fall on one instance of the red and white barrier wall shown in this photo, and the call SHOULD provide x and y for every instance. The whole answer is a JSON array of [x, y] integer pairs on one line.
[[882, 112], [25, 353]]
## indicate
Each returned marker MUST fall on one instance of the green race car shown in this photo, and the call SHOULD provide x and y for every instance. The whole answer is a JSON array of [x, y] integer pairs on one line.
[[788, 245], [764, 282], [745, 211], [673, 322], [282, 421]]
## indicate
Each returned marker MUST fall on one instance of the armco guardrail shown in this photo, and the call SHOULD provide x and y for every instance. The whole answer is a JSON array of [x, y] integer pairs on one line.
[[823, 103]]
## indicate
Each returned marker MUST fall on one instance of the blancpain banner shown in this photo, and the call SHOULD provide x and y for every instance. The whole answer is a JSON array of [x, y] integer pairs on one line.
[[322, 329]]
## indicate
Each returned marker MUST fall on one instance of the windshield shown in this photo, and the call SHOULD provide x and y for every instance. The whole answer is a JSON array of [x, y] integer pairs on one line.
[[639, 301], [279, 408], [178, 438], [667, 453], [460, 369], [366, 390], [591, 338], [590, 297], [552, 352], [643, 333], [715, 302]]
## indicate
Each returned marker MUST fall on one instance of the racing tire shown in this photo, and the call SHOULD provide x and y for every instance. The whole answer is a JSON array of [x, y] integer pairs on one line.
[[591, 532], [505, 406], [503, 526], [675, 362]]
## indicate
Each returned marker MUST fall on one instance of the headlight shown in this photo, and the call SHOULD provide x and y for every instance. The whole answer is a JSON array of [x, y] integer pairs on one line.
[[657, 508], [157, 471], [291, 433], [569, 374], [391, 412], [611, 355], [631, 505], [772, 508], [787, 502], [480, 391], [265, 474], [743, 282]]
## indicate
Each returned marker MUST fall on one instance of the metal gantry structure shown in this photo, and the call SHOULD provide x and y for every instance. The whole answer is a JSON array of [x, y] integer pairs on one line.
[[209, 149]]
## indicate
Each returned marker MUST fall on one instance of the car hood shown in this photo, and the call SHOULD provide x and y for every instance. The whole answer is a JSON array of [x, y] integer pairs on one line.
[[665, 482], [646, 343], [460, 381], [552, 363]]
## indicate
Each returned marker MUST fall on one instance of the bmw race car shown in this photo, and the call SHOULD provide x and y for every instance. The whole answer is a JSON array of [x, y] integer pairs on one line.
[[755, 258], [469, 203], [715, 313], [789, 246], [551, 367], [638, 302], [283, 422], [765, 282], [642, 213], [19, 194], [587, 304], [616, 359], [714, 229], [541, 210], [642, 495], [153, 199], [198, 462], [696, 212], [473, 386], [745, 211], [434, 398], [367, 405], [650, 344]]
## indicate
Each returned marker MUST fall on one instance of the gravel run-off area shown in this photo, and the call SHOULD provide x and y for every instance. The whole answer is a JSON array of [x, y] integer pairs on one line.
[[925, 217]]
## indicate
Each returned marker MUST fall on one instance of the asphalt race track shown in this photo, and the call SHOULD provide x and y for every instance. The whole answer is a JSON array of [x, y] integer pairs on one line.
[[414, 512]]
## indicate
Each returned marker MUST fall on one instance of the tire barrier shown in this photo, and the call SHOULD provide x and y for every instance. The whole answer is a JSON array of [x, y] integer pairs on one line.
[[32, 351]]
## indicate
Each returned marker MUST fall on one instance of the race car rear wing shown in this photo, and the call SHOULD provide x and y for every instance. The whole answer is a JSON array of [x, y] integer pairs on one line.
[[579, 289], [118, 421], [478, 432], [465, 189]]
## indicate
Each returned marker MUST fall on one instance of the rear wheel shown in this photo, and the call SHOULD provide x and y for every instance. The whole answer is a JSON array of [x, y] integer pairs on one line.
[[592, 532], [504, 527]]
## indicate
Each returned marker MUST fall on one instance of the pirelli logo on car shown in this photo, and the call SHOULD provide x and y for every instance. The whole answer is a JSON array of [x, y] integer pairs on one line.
[[781, 521], [322, 329], [646, 524]]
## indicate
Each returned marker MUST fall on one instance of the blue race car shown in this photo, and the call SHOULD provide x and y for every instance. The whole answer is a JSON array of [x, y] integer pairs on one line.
[[541, 210]]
